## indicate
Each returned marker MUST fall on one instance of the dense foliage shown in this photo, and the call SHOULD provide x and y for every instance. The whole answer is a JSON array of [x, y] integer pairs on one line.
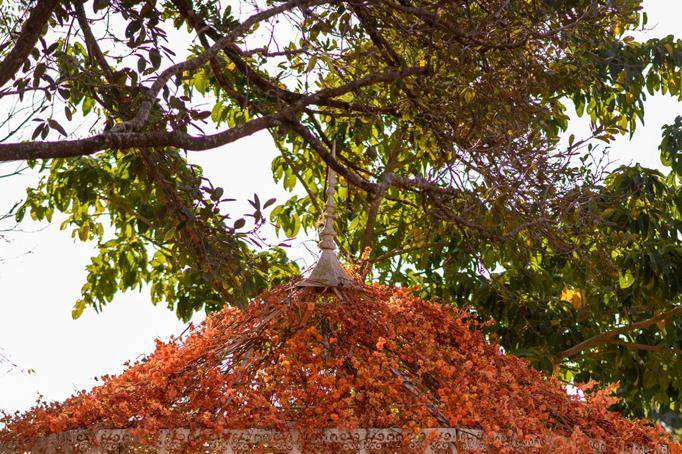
[[446, 118], [298, 359]]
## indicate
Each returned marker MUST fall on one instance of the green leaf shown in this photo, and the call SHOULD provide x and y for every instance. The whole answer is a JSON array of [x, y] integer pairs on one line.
[[78, 309], [88, 104], [626, 279]]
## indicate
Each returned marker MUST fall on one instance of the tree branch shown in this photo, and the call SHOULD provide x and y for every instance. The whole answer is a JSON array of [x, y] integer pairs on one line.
[[650, 348], [608, 336], [127, 140], [28, 37], [90, 40], [327, 157]]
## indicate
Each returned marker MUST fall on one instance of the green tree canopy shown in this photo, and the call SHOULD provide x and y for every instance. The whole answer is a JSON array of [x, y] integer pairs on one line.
[[446, 118]]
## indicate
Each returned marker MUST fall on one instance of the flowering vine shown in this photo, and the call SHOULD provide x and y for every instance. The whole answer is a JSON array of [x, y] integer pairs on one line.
[[367, 357]]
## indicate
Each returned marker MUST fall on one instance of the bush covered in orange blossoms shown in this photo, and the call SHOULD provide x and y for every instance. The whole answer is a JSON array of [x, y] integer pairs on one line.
[[370, 357]]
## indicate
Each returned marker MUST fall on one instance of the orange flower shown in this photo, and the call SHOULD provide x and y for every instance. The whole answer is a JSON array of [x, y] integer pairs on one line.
[[377, 357]]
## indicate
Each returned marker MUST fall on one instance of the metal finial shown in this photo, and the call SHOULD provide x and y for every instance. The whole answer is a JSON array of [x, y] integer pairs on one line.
[[328, 271]]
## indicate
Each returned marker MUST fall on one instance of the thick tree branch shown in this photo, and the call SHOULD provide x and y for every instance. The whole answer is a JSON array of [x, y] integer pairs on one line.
[[326, 155], [28, 37], [127, 140], [91, 42], [608, 336], [646, 347]]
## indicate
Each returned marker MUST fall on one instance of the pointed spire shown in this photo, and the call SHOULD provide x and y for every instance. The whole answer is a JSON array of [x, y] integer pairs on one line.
[[328, 271]]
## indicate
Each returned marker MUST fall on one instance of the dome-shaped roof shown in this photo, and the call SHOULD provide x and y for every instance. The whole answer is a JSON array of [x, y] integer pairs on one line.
[[302, 360]]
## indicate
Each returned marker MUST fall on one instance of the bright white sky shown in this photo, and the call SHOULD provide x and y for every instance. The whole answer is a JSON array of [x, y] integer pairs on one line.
[[37, 289]]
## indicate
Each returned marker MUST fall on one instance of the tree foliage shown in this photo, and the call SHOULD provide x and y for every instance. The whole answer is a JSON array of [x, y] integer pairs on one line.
[[446, 118]]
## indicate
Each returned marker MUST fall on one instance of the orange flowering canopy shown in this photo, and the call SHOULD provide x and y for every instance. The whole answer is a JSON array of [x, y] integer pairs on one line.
[[305, 360]]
